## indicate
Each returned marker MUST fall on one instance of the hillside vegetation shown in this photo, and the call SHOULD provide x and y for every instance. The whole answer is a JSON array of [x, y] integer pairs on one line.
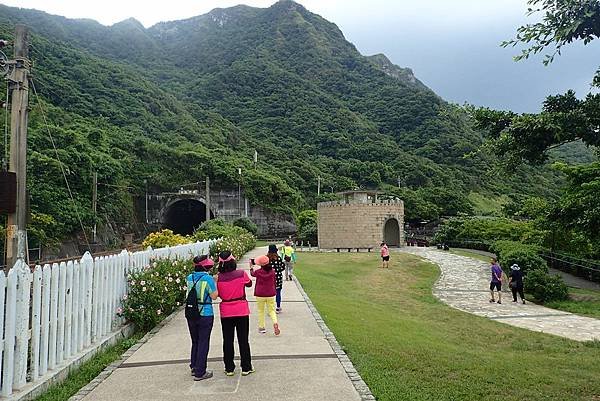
[[184, 99]]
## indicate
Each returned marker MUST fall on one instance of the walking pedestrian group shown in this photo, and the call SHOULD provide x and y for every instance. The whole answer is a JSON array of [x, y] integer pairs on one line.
[[230, 286], [515, 281]]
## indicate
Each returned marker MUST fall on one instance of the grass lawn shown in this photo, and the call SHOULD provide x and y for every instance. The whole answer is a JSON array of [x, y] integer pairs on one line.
[[469, 254], [88, 371], [582, 302], [409, 346]]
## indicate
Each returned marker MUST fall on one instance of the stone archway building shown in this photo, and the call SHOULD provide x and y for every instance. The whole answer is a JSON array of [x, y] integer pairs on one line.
[[360, 220]]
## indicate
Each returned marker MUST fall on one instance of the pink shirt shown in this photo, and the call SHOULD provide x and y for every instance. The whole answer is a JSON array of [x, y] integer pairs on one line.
[[265, 283], [385, 251], [232, 285]]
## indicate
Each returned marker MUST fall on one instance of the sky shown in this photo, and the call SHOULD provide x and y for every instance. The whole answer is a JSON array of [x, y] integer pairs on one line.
[[453, 46]]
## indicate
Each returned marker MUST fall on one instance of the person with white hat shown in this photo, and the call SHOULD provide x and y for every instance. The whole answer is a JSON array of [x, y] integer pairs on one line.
[[515, 282]]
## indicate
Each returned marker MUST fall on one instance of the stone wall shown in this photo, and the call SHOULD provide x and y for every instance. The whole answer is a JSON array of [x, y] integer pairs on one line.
[[357, 225]]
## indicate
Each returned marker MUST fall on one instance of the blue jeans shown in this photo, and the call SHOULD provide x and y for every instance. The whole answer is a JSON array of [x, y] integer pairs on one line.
[[278, 297]]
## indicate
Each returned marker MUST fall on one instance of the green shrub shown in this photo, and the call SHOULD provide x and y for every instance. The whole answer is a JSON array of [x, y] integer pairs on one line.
[[488, 230], [306, 223], [217, 228], [164, 238], [238, 245], [246, 224], [545, 287], [155, 292], [526, 256]]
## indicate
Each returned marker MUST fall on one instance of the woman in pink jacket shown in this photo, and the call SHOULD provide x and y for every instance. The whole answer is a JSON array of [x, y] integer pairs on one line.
[[264, 292], [235, 312]]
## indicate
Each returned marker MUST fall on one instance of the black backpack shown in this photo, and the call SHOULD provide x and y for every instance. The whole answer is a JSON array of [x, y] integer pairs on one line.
[[191, 303]]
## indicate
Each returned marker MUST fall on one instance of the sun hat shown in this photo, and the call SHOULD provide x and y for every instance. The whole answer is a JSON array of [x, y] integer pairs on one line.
[[515, 267], [262, 260]]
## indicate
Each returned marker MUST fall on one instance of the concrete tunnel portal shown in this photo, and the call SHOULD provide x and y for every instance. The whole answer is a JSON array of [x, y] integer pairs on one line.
[[185, 215]]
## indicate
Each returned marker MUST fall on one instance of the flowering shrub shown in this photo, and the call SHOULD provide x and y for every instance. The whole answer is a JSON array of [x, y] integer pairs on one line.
[[238, 245], [155, 292], [164, 238]]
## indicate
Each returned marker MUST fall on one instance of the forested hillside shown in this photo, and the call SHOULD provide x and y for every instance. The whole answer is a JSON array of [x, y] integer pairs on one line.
[[174, 102]]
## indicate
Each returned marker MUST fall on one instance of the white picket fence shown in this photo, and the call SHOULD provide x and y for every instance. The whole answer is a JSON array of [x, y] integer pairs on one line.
[[57, 311]]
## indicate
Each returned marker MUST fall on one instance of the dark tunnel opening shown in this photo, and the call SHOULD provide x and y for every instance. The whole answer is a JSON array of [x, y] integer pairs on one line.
[[184, 216]]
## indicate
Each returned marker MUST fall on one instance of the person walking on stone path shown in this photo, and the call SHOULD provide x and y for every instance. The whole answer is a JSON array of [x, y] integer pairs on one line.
[[496, 282], [515, 282], [235, 313], [200, 324], [264, 292], [289, 257], [279, 267], [385, 256]]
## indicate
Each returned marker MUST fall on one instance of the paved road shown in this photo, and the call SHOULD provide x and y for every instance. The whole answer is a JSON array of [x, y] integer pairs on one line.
[[298, 365], [464, 285]]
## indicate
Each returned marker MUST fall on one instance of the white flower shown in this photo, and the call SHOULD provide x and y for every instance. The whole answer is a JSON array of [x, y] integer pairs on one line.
[[158, 312], [125, 297], [119, 311], [142, 282], [178, 280], [144, 289], [170, 279], [132, 282]]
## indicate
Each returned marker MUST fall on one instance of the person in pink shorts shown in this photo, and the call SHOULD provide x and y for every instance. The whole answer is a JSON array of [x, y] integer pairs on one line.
[[385, 256]]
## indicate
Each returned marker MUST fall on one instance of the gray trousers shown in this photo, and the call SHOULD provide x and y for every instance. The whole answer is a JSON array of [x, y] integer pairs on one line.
[[289, 270]]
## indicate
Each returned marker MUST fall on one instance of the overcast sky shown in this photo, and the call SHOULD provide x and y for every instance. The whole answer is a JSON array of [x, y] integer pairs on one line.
[[451, 45]]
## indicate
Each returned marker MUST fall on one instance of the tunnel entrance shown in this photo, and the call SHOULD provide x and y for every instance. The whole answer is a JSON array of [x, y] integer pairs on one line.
[[184, 216]]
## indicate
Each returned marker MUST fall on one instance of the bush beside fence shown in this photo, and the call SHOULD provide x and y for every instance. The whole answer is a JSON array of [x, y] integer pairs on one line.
[[53, 313]]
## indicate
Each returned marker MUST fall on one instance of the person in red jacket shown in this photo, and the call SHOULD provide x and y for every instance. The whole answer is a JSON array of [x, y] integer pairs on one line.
[[264, 292]]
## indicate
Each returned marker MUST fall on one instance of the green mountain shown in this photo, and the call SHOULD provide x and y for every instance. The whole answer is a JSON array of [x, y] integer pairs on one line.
[[182, 99]]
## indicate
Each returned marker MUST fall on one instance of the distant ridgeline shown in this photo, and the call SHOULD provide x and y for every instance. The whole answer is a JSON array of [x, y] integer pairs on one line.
[[172, 103]]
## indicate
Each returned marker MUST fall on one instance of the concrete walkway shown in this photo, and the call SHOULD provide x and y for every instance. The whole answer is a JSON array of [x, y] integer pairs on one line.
[[464, 285], [298, 365]]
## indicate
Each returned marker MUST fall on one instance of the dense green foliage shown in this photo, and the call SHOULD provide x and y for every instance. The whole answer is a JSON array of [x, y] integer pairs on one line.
[[571, 222], [247, 225], [545, 287], [488, 230], [306, 223], [411, 346], [526, 256], [185, 99], [217, 228]]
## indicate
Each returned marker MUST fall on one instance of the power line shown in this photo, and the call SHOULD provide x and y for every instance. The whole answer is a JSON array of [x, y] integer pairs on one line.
[[60, 163]]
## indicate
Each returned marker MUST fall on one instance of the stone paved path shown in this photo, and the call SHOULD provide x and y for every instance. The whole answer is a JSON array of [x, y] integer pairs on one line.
[[464, 285], [299, 365]]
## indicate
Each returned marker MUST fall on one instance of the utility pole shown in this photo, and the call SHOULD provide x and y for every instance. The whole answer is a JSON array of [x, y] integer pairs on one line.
[[318, 186], [207, 198], [18, 81], [240, 191], [94, 203], [146, 199]]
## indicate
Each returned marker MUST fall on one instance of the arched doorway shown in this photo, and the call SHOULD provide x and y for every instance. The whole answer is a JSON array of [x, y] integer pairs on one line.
[[184, 216], [391, 232]]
